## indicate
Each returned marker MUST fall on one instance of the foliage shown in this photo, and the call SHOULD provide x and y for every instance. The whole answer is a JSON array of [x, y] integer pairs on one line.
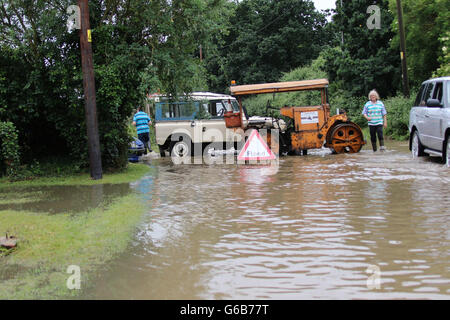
[[444, 69], [364, 59], [47, 167], [352, 105], [256, 105], [139, 46], [398, 108], [9, 149], [426, 23], [265, 38]]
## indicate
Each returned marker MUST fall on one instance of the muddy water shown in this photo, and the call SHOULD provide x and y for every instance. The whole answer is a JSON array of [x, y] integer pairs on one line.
[[351, 226], [61, 199]]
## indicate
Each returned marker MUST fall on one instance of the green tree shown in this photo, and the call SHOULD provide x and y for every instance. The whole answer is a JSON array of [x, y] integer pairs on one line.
[[256, 104], [444, 59], [427, 25], [139, 46], [266, 38], [364, 59]]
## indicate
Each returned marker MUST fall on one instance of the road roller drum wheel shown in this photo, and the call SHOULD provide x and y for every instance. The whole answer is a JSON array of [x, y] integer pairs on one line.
[[345, 138]]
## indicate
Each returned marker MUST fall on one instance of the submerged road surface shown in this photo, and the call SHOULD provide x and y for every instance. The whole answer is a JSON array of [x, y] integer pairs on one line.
[[350, 226]]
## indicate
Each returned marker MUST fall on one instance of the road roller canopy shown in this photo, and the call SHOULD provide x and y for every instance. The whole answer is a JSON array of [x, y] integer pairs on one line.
[[279, 87]]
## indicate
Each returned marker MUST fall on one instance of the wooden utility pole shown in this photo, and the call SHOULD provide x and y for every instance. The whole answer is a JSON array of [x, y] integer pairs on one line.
[[402, 49], [87, 65], [342, 32]]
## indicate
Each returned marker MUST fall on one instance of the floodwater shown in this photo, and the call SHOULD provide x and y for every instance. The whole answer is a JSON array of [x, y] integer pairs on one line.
[[350, 226], [61, 199]]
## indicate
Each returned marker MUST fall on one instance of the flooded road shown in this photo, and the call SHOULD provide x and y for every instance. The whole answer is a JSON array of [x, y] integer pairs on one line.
[[61, 199], [350, 226]]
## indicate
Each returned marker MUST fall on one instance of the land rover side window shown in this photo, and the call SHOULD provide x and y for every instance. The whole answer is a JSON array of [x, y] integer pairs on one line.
[[235, 106], [438, 89], [419, 95], [231, 105], [216, 108], [168, 110], [427, 95], [176, 111], [203, 112]]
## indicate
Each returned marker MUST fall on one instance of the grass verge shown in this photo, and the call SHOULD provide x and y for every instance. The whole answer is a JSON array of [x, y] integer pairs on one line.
[[49, 244], [132, 173]]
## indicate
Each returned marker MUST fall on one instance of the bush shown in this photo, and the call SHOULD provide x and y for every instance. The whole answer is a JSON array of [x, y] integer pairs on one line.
[[256, 105], [343, 100], [9, 152], [398, 108]]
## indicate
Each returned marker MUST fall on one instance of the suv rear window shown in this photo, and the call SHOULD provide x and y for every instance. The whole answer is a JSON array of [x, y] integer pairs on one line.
[[447, 84], [419, 95], [438, 90], [427, 95]]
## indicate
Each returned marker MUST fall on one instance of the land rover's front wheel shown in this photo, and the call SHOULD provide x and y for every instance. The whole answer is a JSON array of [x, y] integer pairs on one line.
[[181, 149]]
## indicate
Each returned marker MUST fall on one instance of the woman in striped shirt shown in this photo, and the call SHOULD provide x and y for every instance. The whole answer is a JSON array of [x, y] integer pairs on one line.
[[375, 113]]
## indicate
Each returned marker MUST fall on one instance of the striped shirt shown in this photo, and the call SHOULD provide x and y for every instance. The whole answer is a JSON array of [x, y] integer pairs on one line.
[[141, 119], [375, 111]]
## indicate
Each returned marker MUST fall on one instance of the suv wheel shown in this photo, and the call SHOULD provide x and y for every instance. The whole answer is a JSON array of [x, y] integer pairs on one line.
[[447, 152], [416, 146]]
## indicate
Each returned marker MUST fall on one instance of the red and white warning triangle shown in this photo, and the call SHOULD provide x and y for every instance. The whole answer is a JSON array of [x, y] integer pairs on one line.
[[256, 149]]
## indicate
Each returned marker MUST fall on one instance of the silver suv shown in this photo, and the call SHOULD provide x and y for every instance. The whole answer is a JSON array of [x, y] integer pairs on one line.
[[429, 120]]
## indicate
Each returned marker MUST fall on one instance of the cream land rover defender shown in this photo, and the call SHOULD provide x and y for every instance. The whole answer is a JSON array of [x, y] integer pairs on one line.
[[195, 122]]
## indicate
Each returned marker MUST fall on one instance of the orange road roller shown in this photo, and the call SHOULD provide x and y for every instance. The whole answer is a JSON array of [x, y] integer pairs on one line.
[[308, 127]]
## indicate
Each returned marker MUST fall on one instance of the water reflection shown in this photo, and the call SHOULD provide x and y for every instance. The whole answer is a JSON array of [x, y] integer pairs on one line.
[[309, 230], [60, 199]]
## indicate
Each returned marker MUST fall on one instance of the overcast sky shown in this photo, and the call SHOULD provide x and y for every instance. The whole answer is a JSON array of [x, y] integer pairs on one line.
[[324, 4]]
